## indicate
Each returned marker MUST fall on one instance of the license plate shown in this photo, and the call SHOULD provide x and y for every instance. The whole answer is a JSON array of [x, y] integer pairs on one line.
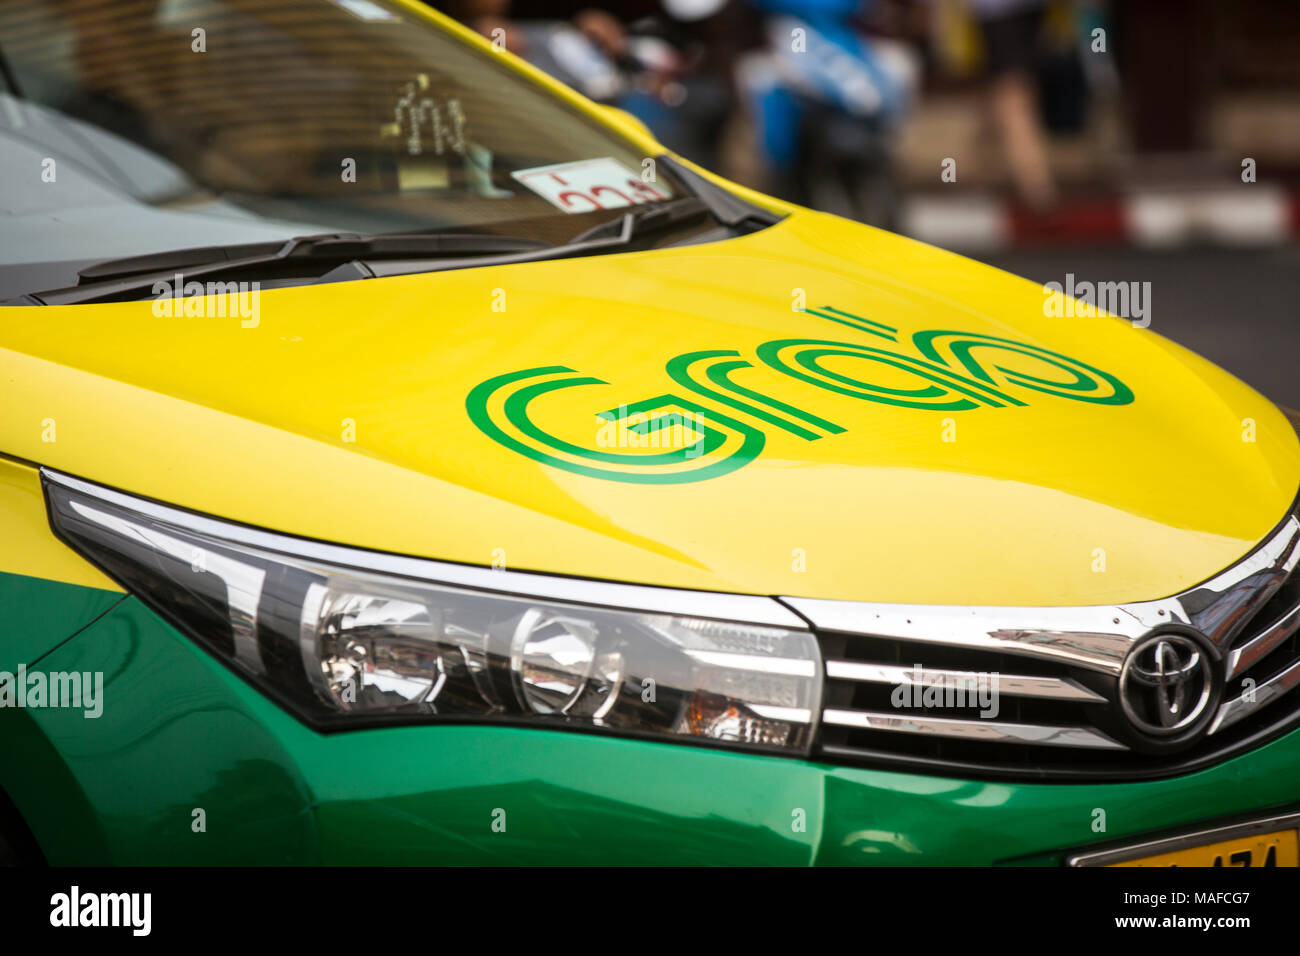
[[1280, 848], [1274, 841]]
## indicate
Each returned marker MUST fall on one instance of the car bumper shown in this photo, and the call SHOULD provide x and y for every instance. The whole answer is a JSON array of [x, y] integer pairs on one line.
[[187, 764]]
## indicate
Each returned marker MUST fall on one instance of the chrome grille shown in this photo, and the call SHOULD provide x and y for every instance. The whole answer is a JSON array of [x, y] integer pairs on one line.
[[1058, 670]]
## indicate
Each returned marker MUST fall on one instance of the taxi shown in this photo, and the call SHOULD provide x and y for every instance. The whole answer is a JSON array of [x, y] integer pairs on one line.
[[406, 460]]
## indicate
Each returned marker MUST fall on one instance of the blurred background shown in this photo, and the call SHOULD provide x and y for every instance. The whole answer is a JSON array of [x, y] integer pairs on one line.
[[1125, 141]]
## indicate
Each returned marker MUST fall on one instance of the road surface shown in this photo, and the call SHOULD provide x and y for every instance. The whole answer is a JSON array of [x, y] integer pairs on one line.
[[1240, 308]]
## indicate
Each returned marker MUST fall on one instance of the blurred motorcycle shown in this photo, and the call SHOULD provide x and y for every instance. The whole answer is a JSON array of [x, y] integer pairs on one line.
[[827, 102]]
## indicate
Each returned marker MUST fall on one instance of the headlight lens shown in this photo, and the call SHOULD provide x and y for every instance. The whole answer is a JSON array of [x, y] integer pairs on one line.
[[345, 637]]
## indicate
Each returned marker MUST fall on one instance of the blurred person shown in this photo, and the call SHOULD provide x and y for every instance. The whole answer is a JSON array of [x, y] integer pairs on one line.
[[690, 98], [483, 16], [667, 62], [1011, 31], [583, 47]]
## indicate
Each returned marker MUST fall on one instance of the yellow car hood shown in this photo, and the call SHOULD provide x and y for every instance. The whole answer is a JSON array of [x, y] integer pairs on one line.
[[884, 421]]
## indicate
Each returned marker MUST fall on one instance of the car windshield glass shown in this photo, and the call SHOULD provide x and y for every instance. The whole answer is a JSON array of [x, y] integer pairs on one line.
[[130, 127]]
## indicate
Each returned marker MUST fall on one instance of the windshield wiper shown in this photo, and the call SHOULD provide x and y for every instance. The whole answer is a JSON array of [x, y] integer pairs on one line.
[[337, 246], [125, 278], [339, 257], [344, 247], [641, 221]]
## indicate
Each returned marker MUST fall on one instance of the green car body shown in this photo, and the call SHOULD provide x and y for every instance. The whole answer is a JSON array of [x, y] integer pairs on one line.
[[122, 788]]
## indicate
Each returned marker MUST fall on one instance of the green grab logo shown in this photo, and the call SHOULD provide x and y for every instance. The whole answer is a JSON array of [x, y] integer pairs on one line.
[[688, 436]]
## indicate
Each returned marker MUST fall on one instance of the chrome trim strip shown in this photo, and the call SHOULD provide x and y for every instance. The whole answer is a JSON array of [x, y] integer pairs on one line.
[[1264, 694], [1246, 587], [1016, 685], [1254, 650], [1096, 637], [1283, 821], [978, 730], [743, 608]]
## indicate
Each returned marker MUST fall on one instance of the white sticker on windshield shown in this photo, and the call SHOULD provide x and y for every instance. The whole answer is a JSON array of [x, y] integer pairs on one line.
[[590, 184]]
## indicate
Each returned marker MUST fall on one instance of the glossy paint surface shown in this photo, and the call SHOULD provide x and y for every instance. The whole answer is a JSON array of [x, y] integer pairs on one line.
[[343, 416]]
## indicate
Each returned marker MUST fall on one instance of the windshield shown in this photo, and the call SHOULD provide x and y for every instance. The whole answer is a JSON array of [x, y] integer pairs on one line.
[[137, 126]]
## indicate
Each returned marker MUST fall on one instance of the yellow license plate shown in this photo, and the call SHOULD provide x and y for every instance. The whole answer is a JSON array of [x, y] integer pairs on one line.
[[1279, 848]]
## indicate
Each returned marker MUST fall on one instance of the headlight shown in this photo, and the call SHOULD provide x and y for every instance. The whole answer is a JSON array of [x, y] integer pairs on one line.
[[345, 637]]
